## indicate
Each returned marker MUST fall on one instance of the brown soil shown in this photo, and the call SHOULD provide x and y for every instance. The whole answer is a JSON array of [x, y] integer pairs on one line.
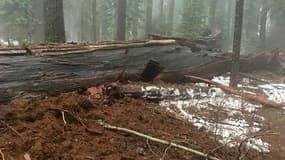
[[43, 134]]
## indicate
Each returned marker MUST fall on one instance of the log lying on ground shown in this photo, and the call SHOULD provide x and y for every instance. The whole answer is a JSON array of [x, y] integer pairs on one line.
[[22, 75], [248, 96], [210, 42], [63, 49]]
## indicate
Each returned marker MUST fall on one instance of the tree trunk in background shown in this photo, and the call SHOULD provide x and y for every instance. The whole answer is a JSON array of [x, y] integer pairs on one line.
[[229, 32], [54, 21], [263, 22], [121, 21], [38, 18], [148, 27], [212, 20], [86, 16], [94, 20], [171, 17], [237, 43], [161, 16]]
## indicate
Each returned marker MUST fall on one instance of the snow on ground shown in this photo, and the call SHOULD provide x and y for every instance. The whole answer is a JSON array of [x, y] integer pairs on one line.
[[229, 118]]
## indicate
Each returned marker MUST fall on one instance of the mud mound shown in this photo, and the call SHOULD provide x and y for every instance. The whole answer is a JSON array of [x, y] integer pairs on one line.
[[41, 131]]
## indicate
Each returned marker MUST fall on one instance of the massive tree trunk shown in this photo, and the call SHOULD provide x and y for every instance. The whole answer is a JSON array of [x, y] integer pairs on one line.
[[263, 22], [54, 21], [67, 67], [121, 20], [237, 42], [148, 27], [171, 17]]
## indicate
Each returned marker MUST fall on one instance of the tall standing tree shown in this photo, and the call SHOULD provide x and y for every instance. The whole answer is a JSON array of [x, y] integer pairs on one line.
[[161, 16], [148, 24], [38, 26], [107, 19], [193, 18], [171, 17], [263, 23], [54, 21], [212, 17], [94, 20], [121, 20], [135, 17], [237, 43]]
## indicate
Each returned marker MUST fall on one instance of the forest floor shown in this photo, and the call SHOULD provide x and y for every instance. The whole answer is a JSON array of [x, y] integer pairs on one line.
[[67, 126]]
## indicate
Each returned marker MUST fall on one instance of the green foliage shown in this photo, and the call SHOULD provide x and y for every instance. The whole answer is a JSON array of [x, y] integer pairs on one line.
[[193, 18], [17, 18]]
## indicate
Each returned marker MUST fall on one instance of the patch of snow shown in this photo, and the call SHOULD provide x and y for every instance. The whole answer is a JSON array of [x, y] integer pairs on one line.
[[240, 118], [275, 92], [258, 144]]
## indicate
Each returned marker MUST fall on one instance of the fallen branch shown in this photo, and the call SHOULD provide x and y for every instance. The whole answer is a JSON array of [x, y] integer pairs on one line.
[[12, 129], [170, 144], [248, 96], [241, 155], [253, 78]]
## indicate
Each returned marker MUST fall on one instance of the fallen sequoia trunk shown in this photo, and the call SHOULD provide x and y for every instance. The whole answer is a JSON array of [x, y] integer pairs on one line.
[[66, 67]]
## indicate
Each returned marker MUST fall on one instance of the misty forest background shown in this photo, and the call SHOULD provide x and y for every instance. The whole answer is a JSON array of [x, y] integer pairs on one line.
[[99, 20]]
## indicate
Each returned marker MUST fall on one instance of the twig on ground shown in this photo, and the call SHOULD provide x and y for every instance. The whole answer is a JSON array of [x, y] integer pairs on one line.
[[93, 131], [12, 129], [110, 127], [218, 148], [149, 147], [165, 152], [2, 155], [63, 118], [241, 155]]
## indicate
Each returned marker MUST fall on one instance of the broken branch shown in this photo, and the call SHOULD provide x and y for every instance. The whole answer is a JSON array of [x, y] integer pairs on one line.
[[171, 144], [248, 96]]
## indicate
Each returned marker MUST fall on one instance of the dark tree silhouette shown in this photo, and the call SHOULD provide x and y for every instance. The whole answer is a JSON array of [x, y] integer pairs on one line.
[[237, 43], [54, 21], [121, 21]]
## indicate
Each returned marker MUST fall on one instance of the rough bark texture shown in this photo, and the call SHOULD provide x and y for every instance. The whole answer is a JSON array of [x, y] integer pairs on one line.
[[54, 21], [237, 42], [24, 74], [121, 21]]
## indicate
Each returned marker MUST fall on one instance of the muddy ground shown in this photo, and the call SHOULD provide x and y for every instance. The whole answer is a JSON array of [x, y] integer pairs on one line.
[[35, 128]]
